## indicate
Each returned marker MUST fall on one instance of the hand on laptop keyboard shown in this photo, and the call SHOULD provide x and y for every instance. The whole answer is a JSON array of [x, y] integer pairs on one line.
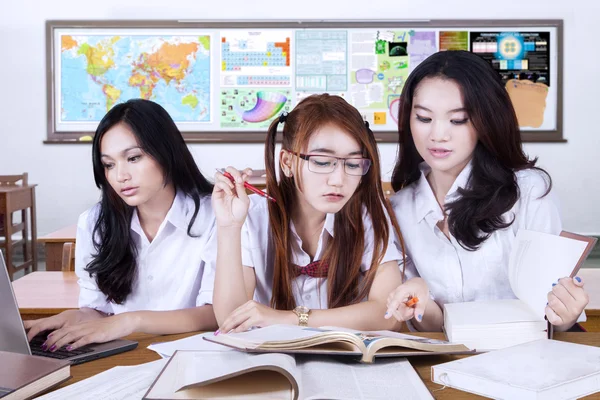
[[36, 344]]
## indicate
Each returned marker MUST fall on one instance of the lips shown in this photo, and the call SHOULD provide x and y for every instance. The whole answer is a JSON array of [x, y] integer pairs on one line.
[[129, 191], [334, 197], [439, 152]]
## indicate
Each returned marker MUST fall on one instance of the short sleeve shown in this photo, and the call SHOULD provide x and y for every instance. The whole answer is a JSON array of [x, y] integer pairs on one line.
[[89, 294], [209, 258], [539, 211], [391, 253]]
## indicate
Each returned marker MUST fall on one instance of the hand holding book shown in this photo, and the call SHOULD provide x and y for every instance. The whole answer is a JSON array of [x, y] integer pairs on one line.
[[566, 302]]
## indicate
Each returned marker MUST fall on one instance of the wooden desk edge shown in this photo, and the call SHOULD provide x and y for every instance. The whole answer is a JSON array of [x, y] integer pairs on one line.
[[66, 234]]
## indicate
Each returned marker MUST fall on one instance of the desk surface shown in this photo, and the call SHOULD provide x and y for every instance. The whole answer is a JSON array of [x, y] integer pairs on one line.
[[46, 292], [422, 364], [66, 234]]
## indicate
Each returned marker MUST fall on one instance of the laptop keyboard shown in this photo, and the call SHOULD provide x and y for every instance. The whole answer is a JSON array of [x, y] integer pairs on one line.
[[62, 353]]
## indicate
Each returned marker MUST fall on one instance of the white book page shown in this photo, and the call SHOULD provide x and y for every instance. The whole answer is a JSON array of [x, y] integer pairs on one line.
[[118, 383], [538, 260], [195, 367], [267, 334], [330, 378], [397, 335], [387, 334], [195, 343]]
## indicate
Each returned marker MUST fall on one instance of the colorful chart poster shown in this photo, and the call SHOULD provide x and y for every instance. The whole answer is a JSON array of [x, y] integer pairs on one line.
[[523, 61], [256, 58], [454, 40], [321, 60], [422, 45], [253, 108], [515, 55], [379, 66]]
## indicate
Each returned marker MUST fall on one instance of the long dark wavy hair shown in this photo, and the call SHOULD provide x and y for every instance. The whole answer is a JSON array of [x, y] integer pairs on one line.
[[344, 252], [114, 263], [492, 188]]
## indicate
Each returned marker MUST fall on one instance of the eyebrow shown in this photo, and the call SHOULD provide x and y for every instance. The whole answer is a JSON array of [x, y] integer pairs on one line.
[[449, 112], [329, 151], [123, 152]]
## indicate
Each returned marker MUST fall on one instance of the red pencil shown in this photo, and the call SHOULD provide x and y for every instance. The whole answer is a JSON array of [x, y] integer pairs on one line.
[[246, 185]]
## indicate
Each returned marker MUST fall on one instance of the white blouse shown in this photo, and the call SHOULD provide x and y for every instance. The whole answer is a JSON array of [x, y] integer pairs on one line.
[[452, 273], [174, 271], [308, 291]]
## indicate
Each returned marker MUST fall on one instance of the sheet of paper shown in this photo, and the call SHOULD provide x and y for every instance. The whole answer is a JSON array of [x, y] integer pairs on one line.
[[538, 260], [118, 383], [196, 342], [329, 378]]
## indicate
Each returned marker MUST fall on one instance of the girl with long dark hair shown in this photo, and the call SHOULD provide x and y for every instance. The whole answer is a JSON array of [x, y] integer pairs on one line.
[[465, 187], [142, 253]]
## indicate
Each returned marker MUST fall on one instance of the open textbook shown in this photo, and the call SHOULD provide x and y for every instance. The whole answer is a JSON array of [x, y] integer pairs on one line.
[[241, 376], [537, 260], [334, 340]]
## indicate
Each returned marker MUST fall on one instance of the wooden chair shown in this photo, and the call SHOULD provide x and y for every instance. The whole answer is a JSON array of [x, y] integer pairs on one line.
[[7, 181], [17, 197], [68, 257]]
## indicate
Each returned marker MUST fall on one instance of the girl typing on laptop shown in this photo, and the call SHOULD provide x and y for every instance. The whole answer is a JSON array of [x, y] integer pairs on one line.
[[465, 187], [322, 252], [142, 253]]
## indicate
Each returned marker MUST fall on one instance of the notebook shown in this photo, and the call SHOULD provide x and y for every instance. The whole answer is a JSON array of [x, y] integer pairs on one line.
[[24, 376], [538, 370], [333, 340], [537, 260], [242, 376]]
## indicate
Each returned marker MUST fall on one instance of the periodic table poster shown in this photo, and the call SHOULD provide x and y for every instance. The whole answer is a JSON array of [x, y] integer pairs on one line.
[[230, 81]]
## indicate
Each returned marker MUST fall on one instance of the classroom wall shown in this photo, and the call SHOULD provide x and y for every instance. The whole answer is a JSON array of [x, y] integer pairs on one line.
[[64, 173]]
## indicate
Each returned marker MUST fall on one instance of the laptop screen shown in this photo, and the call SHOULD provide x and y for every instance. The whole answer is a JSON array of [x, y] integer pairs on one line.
[[12, 332]]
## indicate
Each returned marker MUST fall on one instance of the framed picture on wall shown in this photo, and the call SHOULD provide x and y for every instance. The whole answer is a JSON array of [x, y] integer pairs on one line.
[[227, 81]]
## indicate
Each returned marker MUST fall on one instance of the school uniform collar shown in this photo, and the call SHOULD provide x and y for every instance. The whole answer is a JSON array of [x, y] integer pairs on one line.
[[327, 227], [176, 216], [426, 203]]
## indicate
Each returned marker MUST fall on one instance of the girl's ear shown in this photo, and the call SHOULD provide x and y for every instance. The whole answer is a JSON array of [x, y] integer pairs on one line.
[[285, 161]]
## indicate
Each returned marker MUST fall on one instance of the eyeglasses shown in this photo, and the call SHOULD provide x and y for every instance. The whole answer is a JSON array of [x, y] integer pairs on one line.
[[326, 164]]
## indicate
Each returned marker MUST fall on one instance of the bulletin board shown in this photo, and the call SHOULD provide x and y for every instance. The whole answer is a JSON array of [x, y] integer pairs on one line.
[[226, 81]]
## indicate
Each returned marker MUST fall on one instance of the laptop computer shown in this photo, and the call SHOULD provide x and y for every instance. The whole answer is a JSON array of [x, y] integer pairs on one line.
[[14, 339]]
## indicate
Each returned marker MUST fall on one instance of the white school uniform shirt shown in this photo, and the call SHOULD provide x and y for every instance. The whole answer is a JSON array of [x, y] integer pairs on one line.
[[308, 291], [452, 273], [174, 271]]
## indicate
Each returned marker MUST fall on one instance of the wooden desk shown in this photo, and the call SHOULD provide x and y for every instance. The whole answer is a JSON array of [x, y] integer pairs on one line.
[[53, 245], [42, 293], [591, 279], [21, 198], [422, 364]]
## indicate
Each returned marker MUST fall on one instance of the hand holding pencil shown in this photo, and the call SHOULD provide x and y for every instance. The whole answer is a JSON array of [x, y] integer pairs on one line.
[[408, 301], [229, 199]]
